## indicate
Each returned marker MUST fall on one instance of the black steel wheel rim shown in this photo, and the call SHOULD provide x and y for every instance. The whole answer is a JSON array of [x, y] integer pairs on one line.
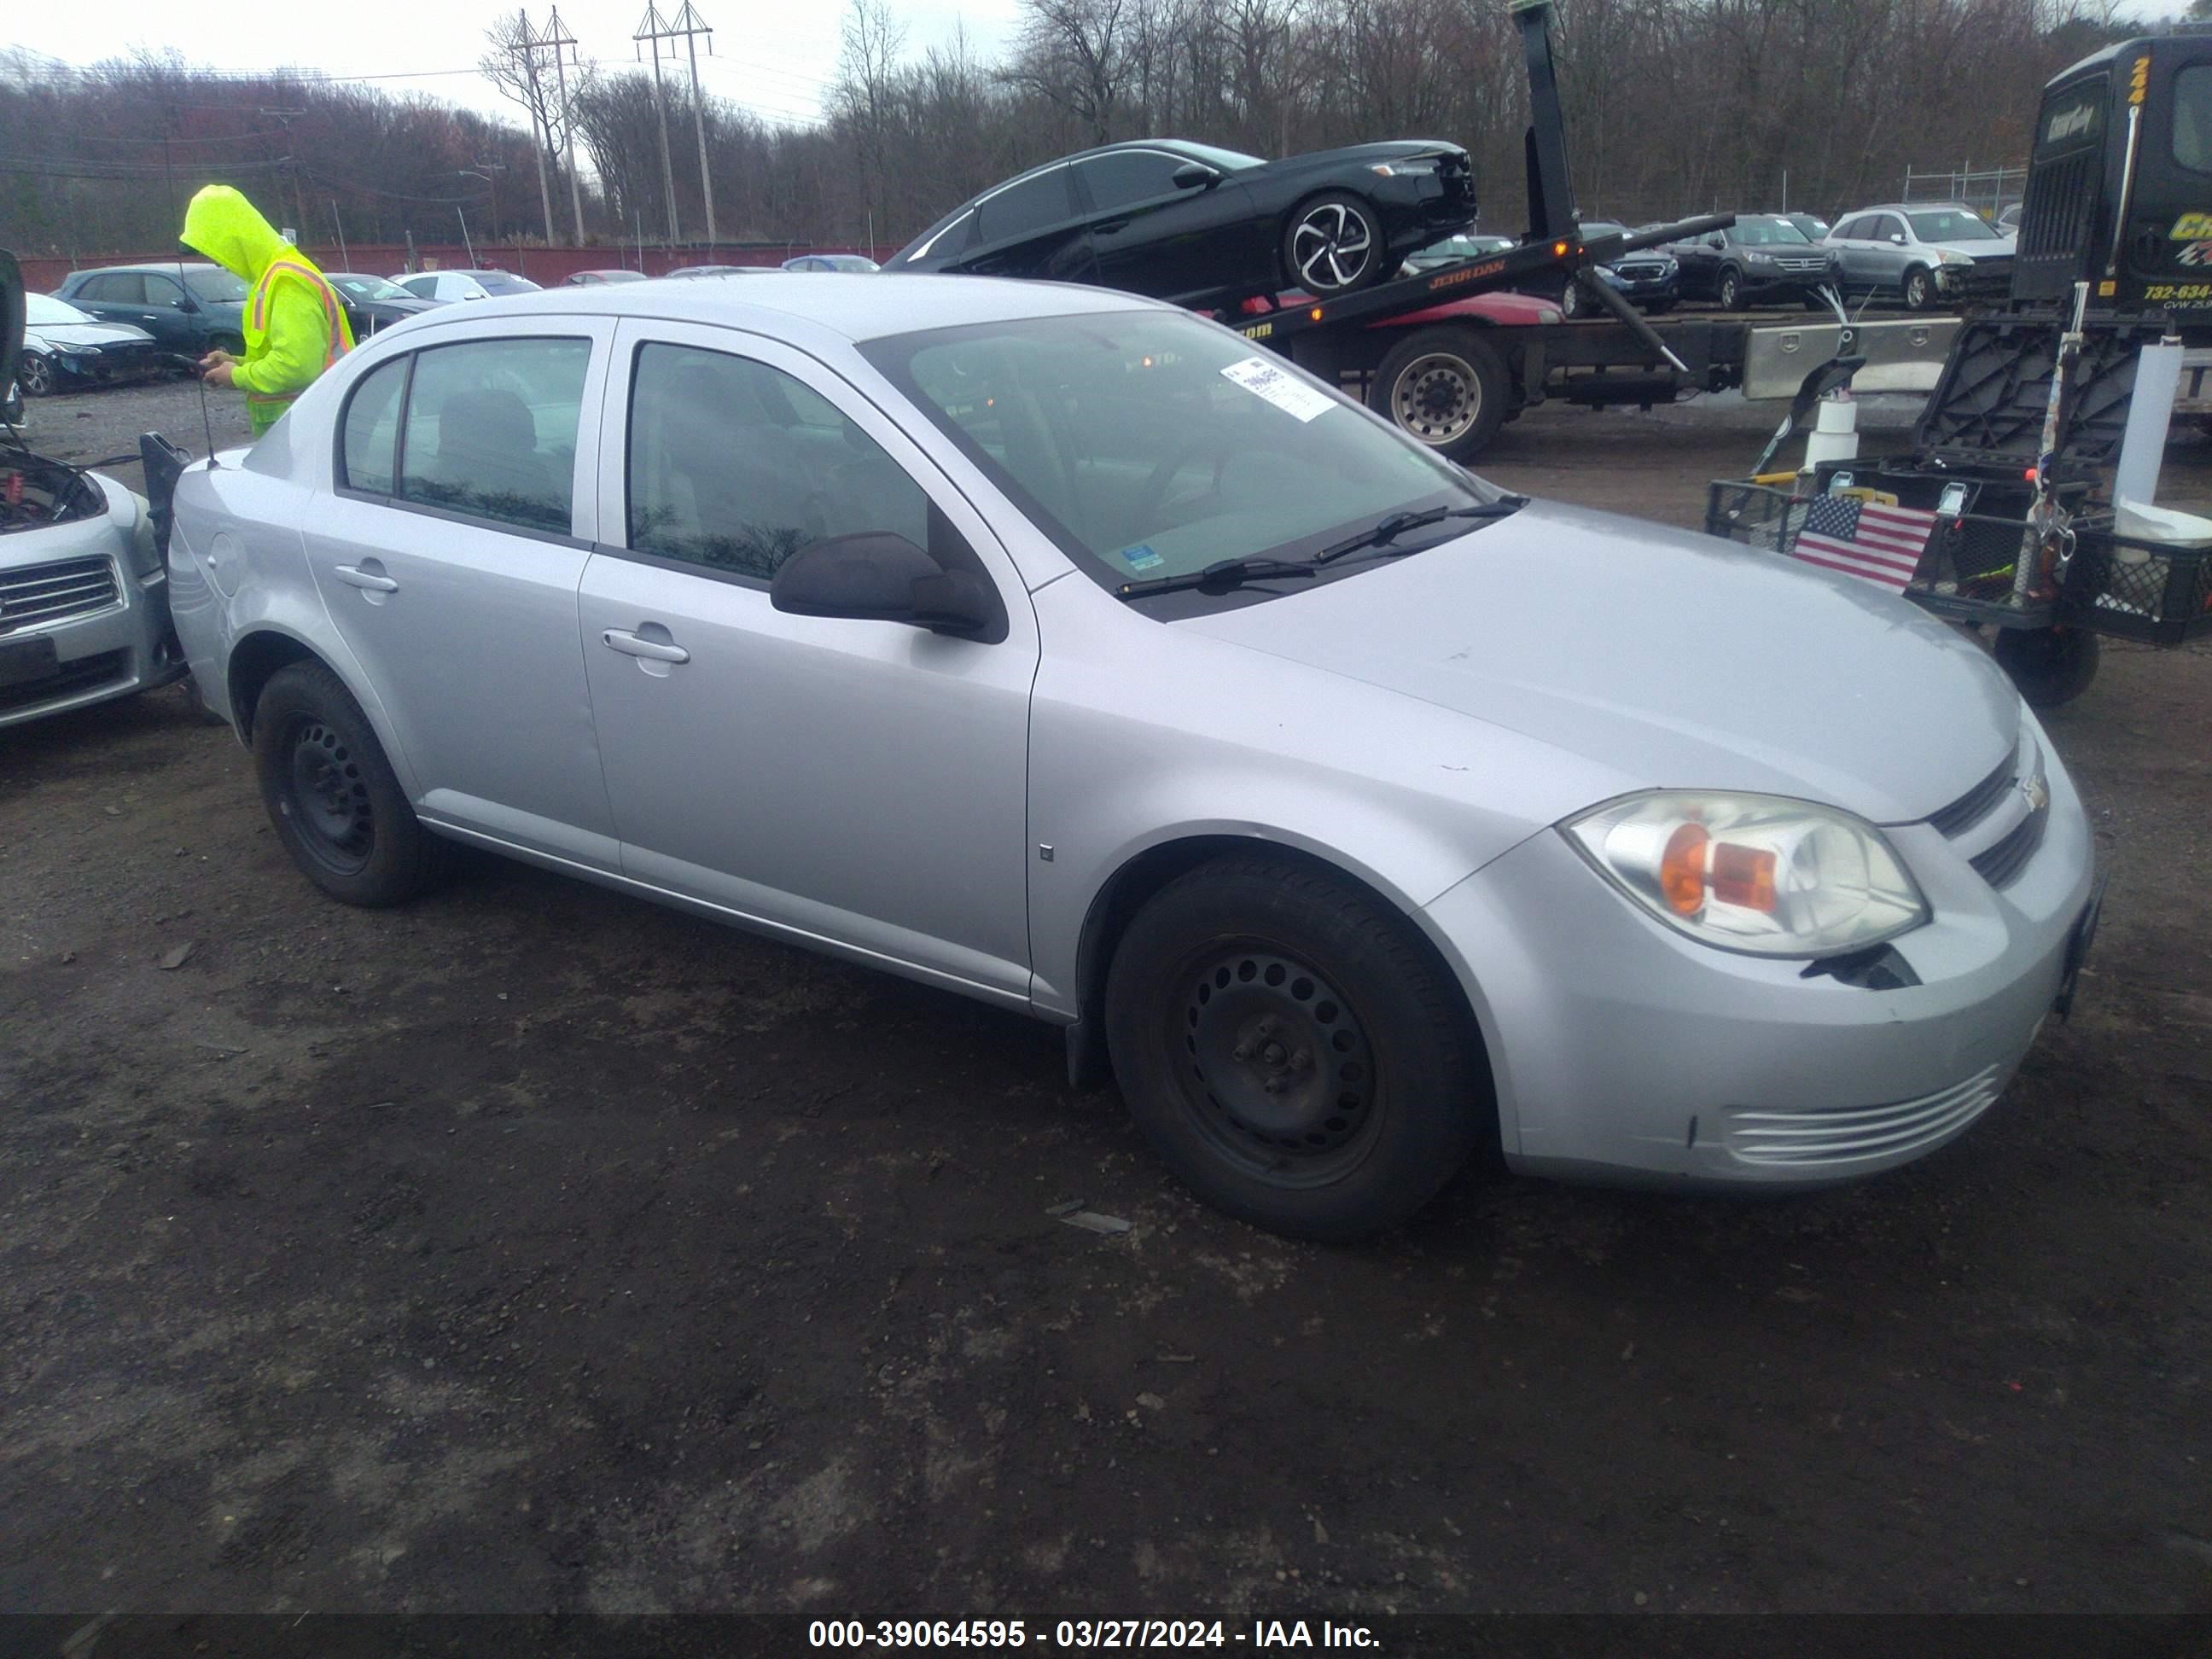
[[325, 798], [1274, 1066]]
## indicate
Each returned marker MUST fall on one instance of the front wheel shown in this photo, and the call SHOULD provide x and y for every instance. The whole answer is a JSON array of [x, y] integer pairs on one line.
[[2051, 666], [1918, 288], [34, 373], [1334, 245], [1446, 388], [1573, 302], [1293, 1050], [1730, 291], [332, 796]]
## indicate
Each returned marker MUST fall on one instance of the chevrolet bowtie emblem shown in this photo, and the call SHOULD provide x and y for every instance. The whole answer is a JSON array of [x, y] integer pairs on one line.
[[2038, 793]]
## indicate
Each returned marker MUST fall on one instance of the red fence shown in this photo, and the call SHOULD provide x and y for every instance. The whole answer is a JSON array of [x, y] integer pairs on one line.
[[543, 265]]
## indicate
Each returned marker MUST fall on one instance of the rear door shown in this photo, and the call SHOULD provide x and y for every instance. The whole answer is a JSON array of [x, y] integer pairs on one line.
[[857, 783], [448, 554], [113, 296]]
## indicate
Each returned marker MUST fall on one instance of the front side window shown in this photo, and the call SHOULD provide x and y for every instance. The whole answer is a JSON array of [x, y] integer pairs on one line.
[[423, 288], [735, 465], [1129, 175], [164, 291], [2192, 117], [1149, 444], [1952, 225], [1021, 208], [369, 438], [491, 429]]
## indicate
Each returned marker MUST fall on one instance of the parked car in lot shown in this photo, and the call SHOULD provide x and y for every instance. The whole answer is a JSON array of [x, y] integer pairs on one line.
[[65, 350], [1068, 651], [1760, 259], [372, 303], [1815, 228], [84, 612], [599, 278], [716, 270], [189, 307], [1921, 251], [1205, 227], [445, 286], [846, 261], [1649, 278]]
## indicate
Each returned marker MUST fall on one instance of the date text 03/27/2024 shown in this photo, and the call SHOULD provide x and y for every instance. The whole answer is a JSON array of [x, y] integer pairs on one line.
[[1123, 1633]]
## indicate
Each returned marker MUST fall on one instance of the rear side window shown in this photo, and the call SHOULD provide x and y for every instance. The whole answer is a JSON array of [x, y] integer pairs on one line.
[[490, 429], [120, 287], [369, 441], [1028, 206], [735, 465]]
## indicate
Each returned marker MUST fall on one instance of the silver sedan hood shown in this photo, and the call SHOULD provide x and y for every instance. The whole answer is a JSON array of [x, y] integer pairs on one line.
[[1681, 659]]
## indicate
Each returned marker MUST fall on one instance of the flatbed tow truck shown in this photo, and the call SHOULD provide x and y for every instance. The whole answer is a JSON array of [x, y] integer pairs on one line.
[[1428, 352]]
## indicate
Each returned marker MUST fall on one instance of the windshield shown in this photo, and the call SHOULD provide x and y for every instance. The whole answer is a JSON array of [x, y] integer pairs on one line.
[[42, 308], [1150, 445], [217, 286], [369, 288], [1229, 161], [1597, 227], [1768, 232], [1951, 226], [1464, 247]]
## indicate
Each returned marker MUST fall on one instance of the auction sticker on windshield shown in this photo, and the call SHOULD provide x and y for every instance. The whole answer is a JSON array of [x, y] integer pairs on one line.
[[1263, 379]]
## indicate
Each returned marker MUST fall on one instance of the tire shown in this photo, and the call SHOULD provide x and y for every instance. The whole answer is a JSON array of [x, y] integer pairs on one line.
[[332, 795], [35, 375], [1293, 1051], [1572, 301], [1729, 291], [1334, 245], [2051, 666], [1916, 289], [1445, 387]]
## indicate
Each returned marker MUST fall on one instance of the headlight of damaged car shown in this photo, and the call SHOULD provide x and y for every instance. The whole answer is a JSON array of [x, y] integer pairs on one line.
[[1758, 874]]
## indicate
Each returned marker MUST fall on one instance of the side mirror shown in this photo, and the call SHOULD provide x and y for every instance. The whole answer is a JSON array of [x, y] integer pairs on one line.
[[1194, 175], [1897, 237], [877, 576], [187, 304]]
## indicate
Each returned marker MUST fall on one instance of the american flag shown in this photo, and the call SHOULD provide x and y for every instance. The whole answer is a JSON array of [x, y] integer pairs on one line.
[[1877, 544]]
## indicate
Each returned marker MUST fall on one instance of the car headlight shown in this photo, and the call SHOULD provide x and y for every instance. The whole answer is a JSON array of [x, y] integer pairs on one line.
[[1759, 258], [1758, 874], [1947, 257], [81, 351], [1670, 265], [1414, 167]]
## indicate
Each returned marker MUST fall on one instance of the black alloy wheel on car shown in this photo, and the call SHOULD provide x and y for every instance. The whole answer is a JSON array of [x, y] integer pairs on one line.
[[1297, 1053], [1918, 287], [1729, 292], [1334, 245], [332, 796], [35, 373]]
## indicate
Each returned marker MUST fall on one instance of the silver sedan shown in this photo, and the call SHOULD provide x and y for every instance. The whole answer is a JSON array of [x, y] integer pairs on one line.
[[1050, 645]]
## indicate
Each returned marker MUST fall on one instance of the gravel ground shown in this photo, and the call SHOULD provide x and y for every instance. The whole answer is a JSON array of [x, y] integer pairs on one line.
[[531, 1249]]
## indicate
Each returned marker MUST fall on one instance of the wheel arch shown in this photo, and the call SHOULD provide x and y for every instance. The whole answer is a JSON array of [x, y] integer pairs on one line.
[[1146, 873]]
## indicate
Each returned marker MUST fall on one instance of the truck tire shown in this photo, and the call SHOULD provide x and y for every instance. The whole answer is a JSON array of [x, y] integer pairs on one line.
[[1446, 388]]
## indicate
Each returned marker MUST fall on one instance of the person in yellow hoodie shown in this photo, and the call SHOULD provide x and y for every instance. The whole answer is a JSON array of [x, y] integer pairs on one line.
[[294, 327]]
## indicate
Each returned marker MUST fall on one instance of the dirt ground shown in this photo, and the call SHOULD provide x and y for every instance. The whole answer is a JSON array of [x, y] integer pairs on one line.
[[531, 1249]]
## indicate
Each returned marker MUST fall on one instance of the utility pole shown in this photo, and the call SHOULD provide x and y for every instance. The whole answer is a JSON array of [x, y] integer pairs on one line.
[[541, 136], [691, 26], [653, 29], [284, 118], [557, 37]]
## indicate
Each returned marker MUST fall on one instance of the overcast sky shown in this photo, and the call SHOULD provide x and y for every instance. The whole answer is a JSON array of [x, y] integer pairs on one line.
[[775, 56]]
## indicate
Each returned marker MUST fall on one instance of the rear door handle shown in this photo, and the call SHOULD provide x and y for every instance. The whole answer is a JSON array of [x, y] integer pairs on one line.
[[354, 576], [651, 650]]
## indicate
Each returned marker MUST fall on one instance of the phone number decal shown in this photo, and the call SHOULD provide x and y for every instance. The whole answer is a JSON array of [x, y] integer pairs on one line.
[[1016, 1632]]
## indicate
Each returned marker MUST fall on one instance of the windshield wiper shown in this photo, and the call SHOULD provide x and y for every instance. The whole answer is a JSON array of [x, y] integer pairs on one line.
[[1217, 578], [1388, 529]]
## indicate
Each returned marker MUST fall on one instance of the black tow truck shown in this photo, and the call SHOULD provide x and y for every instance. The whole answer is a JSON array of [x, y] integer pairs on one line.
[[1428, 353]]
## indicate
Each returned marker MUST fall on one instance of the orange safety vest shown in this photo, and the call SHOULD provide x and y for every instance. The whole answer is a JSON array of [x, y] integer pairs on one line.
[[266, 406]]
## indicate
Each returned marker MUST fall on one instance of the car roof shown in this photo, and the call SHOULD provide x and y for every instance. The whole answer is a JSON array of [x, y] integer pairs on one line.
[[817, 300], [166, 267]]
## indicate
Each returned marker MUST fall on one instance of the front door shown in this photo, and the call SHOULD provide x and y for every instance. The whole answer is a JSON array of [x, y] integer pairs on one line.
[[449, 553], [860, 784], [1149, 237]]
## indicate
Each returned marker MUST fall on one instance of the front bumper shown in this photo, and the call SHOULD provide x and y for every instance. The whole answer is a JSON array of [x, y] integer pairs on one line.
[[1654, 290], [1627, 1053], [1766, 284]]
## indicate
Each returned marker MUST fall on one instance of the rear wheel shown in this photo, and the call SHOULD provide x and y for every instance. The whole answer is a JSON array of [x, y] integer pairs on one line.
[[1293, 1050], [1573, 302], [332, 796], [1446, 388], [1334, 245]]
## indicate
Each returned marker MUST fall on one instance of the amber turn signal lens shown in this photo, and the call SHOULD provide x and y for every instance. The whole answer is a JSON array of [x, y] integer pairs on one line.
[[1682, 870], [1744, 875], [1559, 249], [1315, 314]]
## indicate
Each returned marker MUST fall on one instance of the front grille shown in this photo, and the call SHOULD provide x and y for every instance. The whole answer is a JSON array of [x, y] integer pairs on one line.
[[49, 592], [1802, 263], [1977, 804], [79, 675], [2054, 220], [2005, 860], [1844, 1135]]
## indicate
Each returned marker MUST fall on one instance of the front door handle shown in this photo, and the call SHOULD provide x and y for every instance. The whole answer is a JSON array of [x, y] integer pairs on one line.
[[630, 645], [367, 580], [1110, 225]]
